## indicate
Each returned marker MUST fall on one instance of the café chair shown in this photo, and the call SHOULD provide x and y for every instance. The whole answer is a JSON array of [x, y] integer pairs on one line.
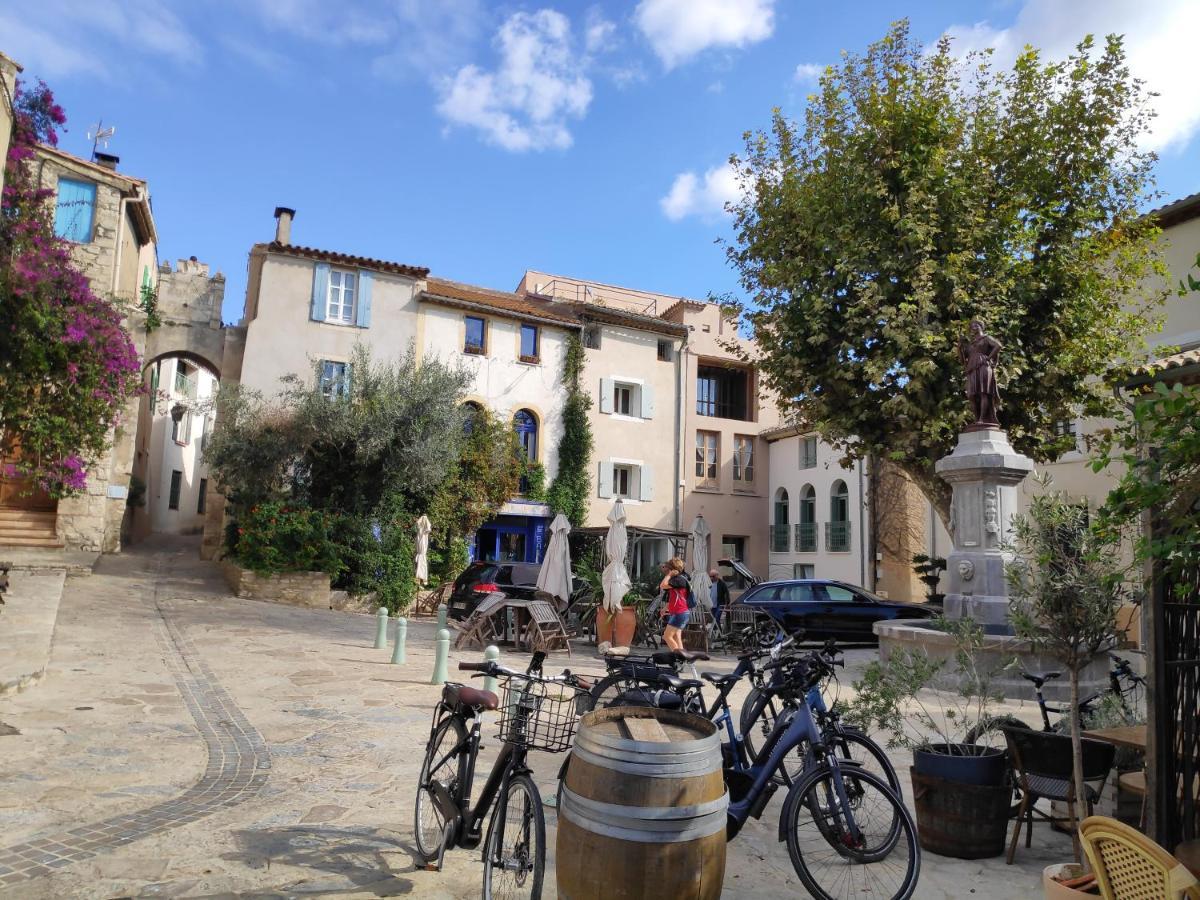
[[1128, 864]]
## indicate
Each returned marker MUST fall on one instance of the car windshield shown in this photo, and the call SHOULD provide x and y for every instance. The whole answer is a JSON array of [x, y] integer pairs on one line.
[[478, 573]]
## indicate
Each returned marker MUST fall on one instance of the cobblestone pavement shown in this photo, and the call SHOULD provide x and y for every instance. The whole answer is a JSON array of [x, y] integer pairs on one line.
[[228, 748]]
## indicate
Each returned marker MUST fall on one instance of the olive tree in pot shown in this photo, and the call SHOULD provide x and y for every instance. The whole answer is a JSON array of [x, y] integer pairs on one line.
[[960, 789], [1067, 583]]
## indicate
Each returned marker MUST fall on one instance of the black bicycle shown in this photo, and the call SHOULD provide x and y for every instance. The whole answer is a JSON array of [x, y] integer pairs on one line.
[[1124, 685], [656, 675], [536, 712]]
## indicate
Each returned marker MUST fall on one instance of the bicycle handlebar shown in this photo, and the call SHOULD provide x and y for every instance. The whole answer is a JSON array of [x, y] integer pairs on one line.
[[496, 670]]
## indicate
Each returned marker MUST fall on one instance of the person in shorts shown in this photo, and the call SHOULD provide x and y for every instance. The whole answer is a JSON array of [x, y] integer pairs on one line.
[[677, 588]]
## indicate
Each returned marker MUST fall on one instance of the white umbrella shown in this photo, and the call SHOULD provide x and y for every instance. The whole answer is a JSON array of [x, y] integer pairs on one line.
[[422, 557], [555, 575], [700, 580], [616, 579]]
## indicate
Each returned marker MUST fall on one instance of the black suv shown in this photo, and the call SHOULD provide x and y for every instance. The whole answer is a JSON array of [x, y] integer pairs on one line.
[[482, 578]]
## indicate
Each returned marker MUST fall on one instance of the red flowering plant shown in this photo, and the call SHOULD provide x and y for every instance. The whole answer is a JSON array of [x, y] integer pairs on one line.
[[67, 364]]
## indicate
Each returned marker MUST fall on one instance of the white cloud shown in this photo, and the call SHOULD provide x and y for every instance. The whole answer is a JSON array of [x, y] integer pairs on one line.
[[58, 38], [808, 73], [680, 29], [1153, 36], [703, 197], [599, 33], [537, 87]]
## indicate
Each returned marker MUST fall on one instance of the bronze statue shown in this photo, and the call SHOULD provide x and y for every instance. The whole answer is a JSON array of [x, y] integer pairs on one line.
[[979, 355]]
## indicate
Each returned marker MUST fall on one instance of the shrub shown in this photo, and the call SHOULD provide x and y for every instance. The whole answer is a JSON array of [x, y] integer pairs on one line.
[[274, 537]]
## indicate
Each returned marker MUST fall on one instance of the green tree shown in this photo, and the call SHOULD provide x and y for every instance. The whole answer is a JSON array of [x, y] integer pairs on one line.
[[569, 492], [1066, 585], [922, 191]]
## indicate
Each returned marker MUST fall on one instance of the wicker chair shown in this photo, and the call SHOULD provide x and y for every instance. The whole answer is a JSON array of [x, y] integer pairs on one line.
[[1044, 768], [1130, 865]]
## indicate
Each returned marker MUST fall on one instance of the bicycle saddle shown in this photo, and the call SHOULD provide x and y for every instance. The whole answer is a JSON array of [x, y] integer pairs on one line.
[[675, 683], [1040, 678], [718, 679], [456, 694], [691, 656]]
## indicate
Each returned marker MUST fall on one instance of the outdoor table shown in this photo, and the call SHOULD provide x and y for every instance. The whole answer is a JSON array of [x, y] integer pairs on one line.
[[1132, 737]]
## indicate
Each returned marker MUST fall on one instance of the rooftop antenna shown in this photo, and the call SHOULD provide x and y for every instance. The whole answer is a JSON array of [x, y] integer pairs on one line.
[[99, 135]]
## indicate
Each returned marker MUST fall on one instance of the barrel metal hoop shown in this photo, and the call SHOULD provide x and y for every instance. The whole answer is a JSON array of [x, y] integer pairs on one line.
[[650, 770], [653, 827], [705, 744]]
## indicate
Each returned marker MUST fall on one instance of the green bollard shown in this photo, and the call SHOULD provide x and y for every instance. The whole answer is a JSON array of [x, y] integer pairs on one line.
[[381, 620], [442, 613], [441, 653], [398, 656], [491, 654]]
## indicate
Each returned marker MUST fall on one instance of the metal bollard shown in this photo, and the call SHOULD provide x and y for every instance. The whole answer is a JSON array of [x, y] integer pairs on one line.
[[398, 657], [441, 654], [381, 620], [442, 613], [491, 654]]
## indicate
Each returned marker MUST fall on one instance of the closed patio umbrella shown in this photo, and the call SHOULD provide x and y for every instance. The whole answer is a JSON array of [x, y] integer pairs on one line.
[[616, 543], [422, 557], [555, 575], [700, 579]]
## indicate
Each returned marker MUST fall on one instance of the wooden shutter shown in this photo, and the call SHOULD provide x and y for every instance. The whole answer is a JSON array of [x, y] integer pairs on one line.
[[606, 479], [362, 314], [647, 393], [606, 396], [320, 291], [646, 483]]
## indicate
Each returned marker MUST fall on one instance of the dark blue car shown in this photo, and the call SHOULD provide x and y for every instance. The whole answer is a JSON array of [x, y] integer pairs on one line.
[[819, 609]]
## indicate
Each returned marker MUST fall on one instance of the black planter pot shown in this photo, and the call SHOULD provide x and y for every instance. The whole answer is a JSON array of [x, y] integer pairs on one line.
[[965, 763]]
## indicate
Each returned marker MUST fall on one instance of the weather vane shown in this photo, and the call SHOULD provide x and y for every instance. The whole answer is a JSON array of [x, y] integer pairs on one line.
[[100, 135]]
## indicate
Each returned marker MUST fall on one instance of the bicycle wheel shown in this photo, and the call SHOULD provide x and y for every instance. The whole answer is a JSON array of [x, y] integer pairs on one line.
[[756, 719], [429, 825], [607, 691], [990, 732], [854, 746], [514, 862], [883, 861]]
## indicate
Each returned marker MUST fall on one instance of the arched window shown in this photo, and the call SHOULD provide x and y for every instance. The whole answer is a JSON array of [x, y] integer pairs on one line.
[[837, 532], [473, 411], [806, 530], [525, 425], [782, 510]]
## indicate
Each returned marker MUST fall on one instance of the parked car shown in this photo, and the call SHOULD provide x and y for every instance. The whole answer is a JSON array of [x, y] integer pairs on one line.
[[820, 609], [737, 577], [480, 578]]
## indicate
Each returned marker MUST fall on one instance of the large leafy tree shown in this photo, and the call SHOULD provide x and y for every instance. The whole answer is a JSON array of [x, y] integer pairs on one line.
[[922, 190]]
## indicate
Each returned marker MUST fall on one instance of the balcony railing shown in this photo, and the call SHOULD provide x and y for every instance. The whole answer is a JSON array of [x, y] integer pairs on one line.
[[779, 538], [837, 537], [806, 537]]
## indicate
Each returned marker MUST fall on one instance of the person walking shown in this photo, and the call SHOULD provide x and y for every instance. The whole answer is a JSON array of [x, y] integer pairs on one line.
[[718, 594], [677, 588]]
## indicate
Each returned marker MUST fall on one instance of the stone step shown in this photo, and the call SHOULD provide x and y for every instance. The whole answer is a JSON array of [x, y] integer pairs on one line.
[[50, 542], [18, 529], [10, 514]]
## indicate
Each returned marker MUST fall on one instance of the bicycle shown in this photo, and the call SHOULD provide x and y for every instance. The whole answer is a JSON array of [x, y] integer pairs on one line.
[[536, 712], [629, 673], [1123, 683]]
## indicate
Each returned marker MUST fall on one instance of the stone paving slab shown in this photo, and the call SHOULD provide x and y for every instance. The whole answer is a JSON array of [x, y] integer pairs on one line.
[[110, 737], [27, 627]]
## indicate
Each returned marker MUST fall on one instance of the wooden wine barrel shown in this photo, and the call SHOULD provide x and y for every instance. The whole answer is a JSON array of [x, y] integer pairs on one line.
[[643, 806]]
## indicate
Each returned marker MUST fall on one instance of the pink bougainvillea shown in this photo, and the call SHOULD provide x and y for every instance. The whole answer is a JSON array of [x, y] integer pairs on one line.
[[67, 364]]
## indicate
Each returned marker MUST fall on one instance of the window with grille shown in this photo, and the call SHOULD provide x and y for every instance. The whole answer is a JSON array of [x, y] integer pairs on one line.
[[591, 337], [666, 351], [200, 501], [176, 486]]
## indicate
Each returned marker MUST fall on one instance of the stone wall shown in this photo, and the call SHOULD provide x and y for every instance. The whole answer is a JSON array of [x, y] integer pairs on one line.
[[309, 589]]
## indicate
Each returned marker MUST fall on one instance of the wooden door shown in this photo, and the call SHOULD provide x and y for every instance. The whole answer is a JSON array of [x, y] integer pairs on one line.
[[16, 491]]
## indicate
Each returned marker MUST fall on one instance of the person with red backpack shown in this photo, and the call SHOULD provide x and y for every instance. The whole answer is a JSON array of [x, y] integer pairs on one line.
[[679, 601]]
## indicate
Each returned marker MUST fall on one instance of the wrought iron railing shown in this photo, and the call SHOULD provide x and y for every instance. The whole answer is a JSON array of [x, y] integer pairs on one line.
[[779, 538], [837, 537], [806, 537]]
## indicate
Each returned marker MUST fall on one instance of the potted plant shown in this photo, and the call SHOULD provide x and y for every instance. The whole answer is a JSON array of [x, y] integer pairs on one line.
[[1066, 584], [953, 781]]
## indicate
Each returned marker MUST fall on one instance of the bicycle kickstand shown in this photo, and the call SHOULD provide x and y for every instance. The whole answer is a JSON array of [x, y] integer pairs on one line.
[[436, 866]]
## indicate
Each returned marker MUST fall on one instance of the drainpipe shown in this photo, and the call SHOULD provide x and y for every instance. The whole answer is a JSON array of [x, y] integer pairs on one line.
[[862, 543], [680, 383]]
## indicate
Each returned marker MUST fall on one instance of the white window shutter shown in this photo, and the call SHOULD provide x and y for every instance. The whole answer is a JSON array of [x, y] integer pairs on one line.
[[647, 401], [606, 398], [606, 479], [646, 485]]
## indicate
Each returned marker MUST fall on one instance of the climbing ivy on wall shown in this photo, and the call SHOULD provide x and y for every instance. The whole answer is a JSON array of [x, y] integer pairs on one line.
[[568, 494]]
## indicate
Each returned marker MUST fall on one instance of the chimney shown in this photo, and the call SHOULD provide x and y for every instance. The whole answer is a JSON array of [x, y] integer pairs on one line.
[[283, 225], [108, 160]]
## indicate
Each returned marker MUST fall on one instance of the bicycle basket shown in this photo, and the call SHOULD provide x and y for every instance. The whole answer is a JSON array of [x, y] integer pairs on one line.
[[541, 715]]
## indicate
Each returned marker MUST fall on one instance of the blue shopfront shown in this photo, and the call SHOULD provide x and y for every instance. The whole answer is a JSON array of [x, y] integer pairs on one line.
[[516, 535]]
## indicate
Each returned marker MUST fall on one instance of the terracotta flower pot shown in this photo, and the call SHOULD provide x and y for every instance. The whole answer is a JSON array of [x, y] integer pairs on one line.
[[624, 627], [604, 626], [1056, 890]]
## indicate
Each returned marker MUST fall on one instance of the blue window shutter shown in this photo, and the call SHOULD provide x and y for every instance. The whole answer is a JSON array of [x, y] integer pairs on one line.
[[362, 315], [320, 292], [74, 210]]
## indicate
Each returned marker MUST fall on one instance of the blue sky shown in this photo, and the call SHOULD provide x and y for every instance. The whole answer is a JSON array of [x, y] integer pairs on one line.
[[480, 139]]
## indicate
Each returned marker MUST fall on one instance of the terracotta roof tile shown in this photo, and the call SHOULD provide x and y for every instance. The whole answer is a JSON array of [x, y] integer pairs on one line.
[[348, 259], [1177, 211], [614, 316], [1174, 361], [455, 293]]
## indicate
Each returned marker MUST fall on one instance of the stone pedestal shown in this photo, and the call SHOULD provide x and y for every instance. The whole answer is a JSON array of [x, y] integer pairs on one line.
[[984, 472]]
